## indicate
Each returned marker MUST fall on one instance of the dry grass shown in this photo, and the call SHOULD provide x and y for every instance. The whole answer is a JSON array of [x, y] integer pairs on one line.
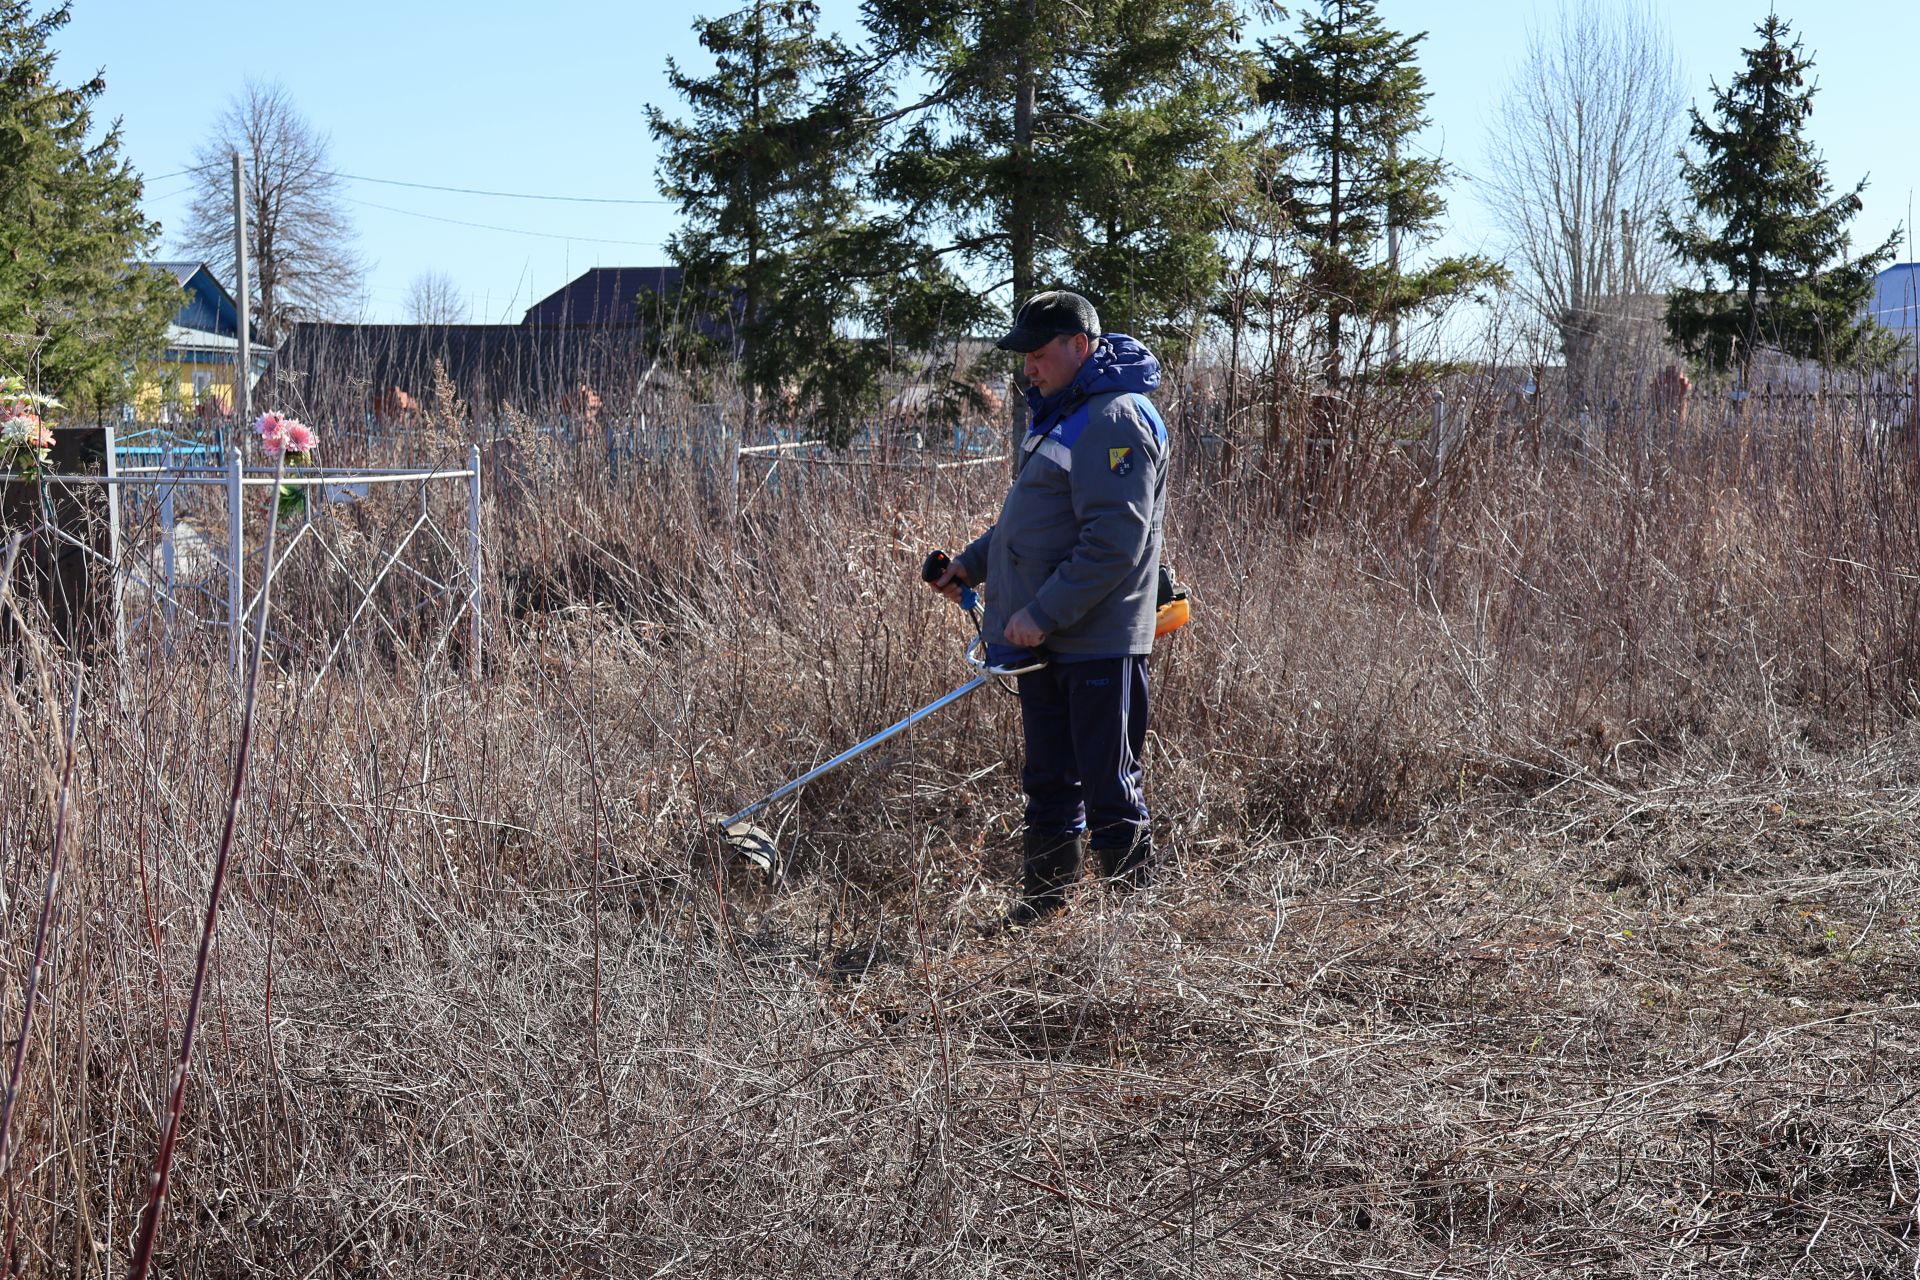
[[1541, 897]]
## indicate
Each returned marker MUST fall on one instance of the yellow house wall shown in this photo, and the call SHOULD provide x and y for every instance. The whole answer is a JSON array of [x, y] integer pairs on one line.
[[172, 383]]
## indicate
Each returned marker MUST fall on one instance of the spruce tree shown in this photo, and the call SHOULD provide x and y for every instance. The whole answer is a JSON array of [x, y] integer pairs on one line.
[[1348, 96], [1766, 233], [1092, 148], [1156, 167], [76, 313], [763, 172]]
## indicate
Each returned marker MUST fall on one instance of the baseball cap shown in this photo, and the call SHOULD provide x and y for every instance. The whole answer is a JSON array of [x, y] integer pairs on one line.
[[1047, 316]]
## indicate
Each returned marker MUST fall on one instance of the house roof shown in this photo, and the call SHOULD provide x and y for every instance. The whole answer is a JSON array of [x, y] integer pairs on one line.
[[180, 337], [1896, 297], [182, 271], [603, 298], [208, 305]]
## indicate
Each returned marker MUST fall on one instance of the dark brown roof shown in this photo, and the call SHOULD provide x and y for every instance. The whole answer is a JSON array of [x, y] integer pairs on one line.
[[603, 298]]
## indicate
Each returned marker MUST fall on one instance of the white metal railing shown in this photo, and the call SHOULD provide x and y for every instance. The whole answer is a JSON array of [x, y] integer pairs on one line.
[[235, 478]]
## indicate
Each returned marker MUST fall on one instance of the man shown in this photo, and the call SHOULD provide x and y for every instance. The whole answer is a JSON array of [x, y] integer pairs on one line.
[[1072, 565]]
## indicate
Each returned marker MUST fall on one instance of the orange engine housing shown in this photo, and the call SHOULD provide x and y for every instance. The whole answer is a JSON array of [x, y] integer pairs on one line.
[[1170, 617]]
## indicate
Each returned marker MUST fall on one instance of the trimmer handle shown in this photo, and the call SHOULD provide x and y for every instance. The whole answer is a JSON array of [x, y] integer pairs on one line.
[[935, 566]]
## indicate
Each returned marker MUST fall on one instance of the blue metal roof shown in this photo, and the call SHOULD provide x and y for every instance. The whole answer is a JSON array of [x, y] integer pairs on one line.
[[209, 306]]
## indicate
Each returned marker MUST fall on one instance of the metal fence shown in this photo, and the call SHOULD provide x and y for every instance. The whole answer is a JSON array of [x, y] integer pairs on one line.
[[177, 523]]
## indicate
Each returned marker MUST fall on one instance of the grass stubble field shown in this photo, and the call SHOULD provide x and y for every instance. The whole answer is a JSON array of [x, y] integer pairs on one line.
[[1541, 894]]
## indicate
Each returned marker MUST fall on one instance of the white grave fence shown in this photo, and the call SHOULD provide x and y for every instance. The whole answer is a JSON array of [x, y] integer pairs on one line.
[[149, 567]]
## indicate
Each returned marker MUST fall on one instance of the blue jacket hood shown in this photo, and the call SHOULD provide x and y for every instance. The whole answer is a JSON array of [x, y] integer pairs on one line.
[[1118, 363]]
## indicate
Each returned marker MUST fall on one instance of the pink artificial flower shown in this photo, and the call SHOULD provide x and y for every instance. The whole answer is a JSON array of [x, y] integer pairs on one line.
[[273, 433], [299, 436], [42, 437]]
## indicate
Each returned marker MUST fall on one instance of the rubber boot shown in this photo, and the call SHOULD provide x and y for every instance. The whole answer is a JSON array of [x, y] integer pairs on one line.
[[1127, 867], [1048, 868]]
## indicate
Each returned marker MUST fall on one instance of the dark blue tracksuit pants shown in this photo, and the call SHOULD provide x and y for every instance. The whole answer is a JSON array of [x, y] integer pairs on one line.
[[1085, 725]]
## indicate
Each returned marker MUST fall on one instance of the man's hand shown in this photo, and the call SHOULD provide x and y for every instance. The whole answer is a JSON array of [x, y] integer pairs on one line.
[[1023, 631], [951, 583]]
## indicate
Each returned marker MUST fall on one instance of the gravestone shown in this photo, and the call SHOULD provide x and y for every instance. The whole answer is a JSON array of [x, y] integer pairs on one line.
[[63, 573]]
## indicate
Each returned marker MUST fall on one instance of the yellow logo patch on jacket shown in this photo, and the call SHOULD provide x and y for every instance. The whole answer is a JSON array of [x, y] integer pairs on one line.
[[1120, 461]]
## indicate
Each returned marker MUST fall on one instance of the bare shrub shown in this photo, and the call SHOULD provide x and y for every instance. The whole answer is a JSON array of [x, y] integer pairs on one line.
[[1538, 900]]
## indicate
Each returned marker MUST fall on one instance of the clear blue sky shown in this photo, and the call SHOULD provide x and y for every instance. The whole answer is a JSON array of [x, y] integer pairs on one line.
[[549, 98]]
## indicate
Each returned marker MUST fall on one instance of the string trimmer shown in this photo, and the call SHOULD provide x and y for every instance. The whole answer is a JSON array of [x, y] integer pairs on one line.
[[757, 846]]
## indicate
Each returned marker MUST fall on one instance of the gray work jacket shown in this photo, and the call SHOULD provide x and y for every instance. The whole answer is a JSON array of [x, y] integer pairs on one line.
[[1078, 538]]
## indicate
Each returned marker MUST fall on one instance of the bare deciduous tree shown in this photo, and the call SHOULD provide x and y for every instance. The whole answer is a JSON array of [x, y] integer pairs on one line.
[[433, 298], [300, 240], [1584, 158]]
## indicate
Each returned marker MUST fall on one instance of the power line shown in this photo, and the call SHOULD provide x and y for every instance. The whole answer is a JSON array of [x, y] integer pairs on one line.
[[504, 195], [487, 226], [429, 186]]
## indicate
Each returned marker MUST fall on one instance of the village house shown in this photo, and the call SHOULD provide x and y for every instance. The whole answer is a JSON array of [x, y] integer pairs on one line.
[[195, 373]]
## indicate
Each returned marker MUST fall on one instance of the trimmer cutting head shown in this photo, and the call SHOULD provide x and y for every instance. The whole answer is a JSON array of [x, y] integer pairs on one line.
[[754, 844], [757, 847]]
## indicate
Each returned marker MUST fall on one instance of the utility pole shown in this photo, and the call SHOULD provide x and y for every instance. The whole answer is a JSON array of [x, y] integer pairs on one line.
[[243, 361]]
